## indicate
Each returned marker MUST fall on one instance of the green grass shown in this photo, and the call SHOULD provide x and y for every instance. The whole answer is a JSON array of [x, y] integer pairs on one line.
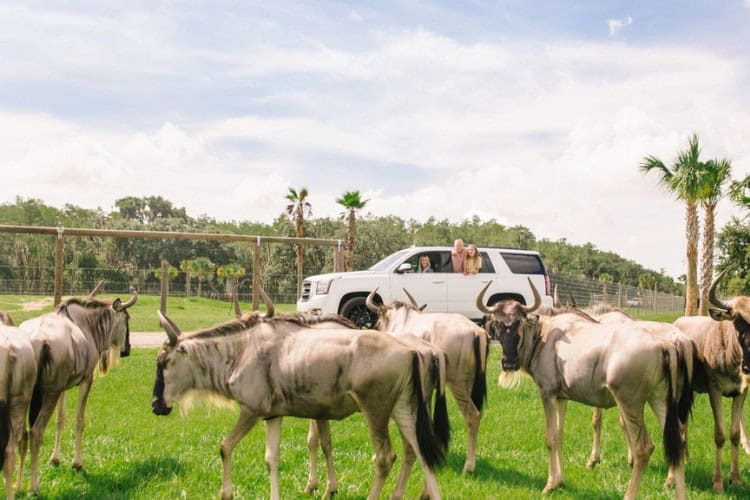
[[190, 313], [131, 453]]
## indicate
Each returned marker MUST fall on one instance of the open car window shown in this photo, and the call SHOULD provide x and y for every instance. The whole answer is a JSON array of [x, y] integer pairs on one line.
[[437, 261]]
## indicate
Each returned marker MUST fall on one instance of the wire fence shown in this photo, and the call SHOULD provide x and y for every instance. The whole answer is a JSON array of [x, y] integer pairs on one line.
[[586, 292], [282, 287]]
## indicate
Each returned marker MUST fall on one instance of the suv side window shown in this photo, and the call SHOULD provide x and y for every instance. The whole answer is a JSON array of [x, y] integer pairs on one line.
[[520, 263], [487, 266], [437, 261]]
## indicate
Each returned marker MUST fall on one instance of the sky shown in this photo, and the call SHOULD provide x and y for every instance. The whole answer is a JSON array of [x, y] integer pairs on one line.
[[530, 113]]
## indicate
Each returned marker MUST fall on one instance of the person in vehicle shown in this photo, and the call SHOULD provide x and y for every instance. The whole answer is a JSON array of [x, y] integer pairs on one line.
[[472, 261], [458, 254], [424, 265]]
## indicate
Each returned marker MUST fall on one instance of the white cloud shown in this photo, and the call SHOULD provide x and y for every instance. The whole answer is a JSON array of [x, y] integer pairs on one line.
[[544, 135], [616, 25]]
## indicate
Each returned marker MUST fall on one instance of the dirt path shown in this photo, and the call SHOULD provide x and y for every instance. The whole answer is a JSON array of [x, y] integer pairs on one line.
[[147, 339], [36, 305]]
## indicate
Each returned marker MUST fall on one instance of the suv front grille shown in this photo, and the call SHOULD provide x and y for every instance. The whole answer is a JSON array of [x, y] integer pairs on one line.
[[306, 290]]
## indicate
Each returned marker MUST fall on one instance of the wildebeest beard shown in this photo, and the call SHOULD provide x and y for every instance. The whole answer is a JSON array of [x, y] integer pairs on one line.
[[509, 339], [125, 352], [158, 405], [743, 335]]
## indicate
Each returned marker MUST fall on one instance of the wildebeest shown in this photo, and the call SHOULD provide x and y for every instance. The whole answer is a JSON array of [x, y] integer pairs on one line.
[[724, 350], [70, 343], [464, 343], [18, 371], [318, 374], [600, 365]]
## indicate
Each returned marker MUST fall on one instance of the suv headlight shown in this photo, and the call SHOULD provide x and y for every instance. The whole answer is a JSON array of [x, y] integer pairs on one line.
[[322, 287]]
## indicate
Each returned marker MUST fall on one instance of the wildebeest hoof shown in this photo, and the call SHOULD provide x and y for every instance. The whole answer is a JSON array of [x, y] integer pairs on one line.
[[311, 487], [718, 487], [79, 468], [329, 494], [551, 487], [735, 480], [55, 461], [592, 463], [469, 468], [669, 483]]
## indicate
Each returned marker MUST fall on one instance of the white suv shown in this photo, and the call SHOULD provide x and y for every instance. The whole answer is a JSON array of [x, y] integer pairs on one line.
[[441, 290]]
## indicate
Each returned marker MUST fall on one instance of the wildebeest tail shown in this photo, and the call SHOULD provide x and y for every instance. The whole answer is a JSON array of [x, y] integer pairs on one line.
[[7, 368], [431, 451], [479, 389], [45, 357], [678, 370], [440, 421]]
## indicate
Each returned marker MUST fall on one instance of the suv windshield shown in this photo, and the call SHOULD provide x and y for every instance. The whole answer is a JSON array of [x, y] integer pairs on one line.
[[386, 262]]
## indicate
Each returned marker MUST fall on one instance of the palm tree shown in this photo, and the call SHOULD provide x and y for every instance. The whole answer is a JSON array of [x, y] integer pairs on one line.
[[352, 202], [204, 269], [716, 175], [296, 209], [683, 180], [187, 267], [739, 192]]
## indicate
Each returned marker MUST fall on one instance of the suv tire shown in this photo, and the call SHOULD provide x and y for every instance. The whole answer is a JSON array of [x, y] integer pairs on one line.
[[356, 311]]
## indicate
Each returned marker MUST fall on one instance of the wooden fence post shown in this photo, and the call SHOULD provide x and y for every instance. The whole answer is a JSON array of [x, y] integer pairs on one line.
[[59, 248], [256, 274], [164, 285]]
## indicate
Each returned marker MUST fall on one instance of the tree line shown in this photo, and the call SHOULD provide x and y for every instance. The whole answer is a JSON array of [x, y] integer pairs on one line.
[[216, 265]]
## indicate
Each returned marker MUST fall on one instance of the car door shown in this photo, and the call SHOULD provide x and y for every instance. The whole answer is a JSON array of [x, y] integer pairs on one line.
[[426, 287], [462, 290]]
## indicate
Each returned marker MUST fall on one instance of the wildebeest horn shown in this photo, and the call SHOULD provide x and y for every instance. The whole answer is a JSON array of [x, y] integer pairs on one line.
[[96, 289], [132, 300], [411, 299], [537, 300], [370, 303], [173, 331], [480, 300], [572, 300], [555, 298], [718, 304], [270, 310]]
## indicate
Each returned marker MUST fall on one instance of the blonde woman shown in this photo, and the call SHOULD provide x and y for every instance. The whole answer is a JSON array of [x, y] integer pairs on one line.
[[472, 260], [424, 265]]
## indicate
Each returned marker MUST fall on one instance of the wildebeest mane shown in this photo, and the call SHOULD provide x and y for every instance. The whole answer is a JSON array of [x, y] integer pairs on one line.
[[556, 311], [6, 319], [723, 352], [602, 308], [91, 303]]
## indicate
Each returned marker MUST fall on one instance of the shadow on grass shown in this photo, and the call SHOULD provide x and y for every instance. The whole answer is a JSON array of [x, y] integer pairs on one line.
[[123, 483], [485, 471]]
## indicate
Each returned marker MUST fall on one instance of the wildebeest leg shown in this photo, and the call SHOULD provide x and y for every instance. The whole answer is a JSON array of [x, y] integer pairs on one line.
[[313, 440], [596, 447], [409, 458], [23, 444], [37, 431], [246, 422], [555, 419], [743, 433], [18, 407], [635, 427], [405, 420], [83, 395], [61, 416], [273, 445], [324, 435], [319, 434], [377, 421], [734, 437], [719, 438], [462, 395]]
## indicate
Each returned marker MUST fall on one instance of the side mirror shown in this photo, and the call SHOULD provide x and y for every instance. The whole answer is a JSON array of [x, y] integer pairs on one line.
[[404, 268]]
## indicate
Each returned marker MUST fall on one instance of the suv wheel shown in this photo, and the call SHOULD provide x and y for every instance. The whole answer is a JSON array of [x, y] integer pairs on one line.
[[356, 311]]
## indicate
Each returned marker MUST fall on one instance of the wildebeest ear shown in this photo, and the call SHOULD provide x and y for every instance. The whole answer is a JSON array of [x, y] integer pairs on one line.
[[719, 315], [117, 305], [172, 330], [532, 319]]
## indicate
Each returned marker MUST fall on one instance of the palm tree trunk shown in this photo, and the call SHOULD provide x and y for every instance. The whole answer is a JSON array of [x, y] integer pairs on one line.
[[300, 250], [350, 250], [707, 264], [691, 233]]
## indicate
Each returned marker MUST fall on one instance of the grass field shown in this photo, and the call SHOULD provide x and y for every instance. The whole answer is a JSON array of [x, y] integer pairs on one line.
[[131, 453]]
